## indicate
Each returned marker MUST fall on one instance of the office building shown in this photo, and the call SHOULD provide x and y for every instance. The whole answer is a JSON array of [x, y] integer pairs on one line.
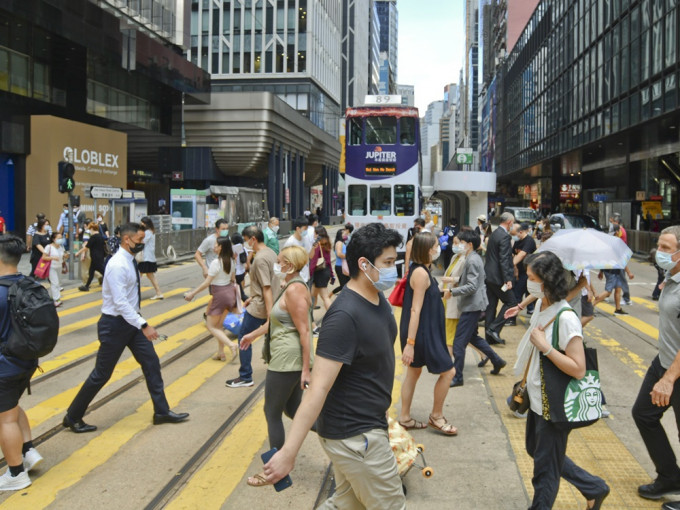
[[389, 24], [356, 51], [374, 51], [407, 93]]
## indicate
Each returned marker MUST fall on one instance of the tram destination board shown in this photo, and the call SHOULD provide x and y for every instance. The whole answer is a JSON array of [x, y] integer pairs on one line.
[[372, 170]]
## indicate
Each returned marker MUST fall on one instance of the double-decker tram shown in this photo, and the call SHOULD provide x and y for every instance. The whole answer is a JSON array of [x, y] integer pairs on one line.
[[382, 164]]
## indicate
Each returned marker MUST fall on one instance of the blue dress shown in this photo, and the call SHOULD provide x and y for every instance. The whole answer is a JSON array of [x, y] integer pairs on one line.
[[430, 349]]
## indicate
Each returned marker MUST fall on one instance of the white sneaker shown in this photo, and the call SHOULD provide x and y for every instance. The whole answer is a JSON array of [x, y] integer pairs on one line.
[[32, 459], [628, 303], [14, 483]]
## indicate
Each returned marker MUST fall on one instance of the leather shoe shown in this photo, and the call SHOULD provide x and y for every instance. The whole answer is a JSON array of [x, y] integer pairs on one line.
[[78, 426], [456, 382], [598, 500], [658, 489], [498, 366], [169, 418], [493, 338], [671, 505]]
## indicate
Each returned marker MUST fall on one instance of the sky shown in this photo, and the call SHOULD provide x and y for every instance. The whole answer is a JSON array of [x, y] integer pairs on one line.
[[431, 46]]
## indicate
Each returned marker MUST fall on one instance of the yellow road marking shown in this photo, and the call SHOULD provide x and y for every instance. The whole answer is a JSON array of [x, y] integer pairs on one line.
[[58, 404], [636, 323], [98, 302], [85, 350], [624, 355], [221, 470], [651, 305], [65, 330], [71, 470]]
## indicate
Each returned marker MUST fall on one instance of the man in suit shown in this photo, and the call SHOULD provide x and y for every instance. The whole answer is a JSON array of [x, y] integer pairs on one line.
[[499, 277]]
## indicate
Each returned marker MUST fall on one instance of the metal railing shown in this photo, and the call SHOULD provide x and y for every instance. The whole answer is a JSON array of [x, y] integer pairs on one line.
[[170, 245], [642, 241]]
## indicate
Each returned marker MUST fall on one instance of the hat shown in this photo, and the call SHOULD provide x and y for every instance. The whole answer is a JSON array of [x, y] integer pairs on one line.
[[481, 217]]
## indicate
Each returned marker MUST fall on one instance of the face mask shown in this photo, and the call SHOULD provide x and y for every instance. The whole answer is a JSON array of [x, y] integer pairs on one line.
[[99, 220], [137, 248], [437, 253], [664, 260], [515, 238], [275, 229], [66, 211], [60, 241], [388, 277], [278, 271], [534, 288], [224, 233], [344, 238], [458, 248]]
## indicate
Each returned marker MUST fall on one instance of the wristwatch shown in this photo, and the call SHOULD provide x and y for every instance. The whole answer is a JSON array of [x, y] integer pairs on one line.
[[145, 325]]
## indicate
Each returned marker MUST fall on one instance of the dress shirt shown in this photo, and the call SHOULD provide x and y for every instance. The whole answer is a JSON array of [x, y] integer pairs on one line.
[[119, 291]]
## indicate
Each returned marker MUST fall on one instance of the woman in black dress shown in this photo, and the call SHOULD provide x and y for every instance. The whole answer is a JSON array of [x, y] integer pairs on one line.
[[423, 336], [97, 246], [41, 238]]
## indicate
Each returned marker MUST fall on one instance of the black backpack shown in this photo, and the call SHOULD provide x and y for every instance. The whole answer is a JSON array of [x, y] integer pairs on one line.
[[33, 317]]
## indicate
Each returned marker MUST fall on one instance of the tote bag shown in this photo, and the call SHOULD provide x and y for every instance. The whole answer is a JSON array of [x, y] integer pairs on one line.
[[42, 270], [397, 296], [568, 402]]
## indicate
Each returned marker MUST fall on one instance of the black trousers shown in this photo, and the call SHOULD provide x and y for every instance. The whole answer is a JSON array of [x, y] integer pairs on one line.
[[494, 293], [547, 445], [466, 333], [647, 417], [115, 334], [96, 264], [282, 395]]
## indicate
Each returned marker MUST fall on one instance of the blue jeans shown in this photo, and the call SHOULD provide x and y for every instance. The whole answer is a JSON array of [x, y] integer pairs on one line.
[[250, 323]]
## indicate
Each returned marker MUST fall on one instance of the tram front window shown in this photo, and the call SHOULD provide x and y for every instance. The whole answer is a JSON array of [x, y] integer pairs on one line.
[[357, 199], [381, 200], [404, 200], [381, 130], [407, 131], [354, 131]]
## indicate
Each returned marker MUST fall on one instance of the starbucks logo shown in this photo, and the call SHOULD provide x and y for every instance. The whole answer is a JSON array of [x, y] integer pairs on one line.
[[583, 398]]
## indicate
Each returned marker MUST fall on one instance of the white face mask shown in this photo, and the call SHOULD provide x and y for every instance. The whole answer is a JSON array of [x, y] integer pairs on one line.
[[278, 271], [535, 289], [438, 253], [458, 248], [275, 229]]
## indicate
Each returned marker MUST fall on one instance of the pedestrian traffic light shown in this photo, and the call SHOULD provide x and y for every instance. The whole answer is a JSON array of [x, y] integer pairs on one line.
[[66, 182]]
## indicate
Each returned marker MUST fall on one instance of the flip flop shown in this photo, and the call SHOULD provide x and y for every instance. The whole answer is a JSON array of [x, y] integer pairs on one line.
[[257, 481], [446, 428], [413, 424]]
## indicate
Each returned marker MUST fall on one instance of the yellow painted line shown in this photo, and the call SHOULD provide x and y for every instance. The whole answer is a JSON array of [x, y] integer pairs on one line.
[[46, 487], [98, 302], [85, 350], [65, 330], [58, 404], [647, 303], [227, 465], [636, 323], [624, 355]]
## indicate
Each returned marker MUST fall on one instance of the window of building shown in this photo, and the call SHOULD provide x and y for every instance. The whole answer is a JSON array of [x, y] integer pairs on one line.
[[18, 76], [4, 69], [404, 200], [381, 200], [381, 130], [357, 194]]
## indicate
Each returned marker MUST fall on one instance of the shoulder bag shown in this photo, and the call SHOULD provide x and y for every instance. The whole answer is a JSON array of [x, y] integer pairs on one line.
[[568, 402], [519, 398], [397, 295], [266, 345], [42, 270]]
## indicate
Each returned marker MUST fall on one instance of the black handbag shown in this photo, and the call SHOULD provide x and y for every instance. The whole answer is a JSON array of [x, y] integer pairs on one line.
[[519, 398], [570, 403]]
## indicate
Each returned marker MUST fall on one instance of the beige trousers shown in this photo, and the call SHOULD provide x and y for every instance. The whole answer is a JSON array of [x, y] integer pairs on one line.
[[366, 475]]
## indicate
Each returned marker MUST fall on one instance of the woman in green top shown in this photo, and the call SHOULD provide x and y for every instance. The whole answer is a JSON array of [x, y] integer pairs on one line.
[[290, 347]]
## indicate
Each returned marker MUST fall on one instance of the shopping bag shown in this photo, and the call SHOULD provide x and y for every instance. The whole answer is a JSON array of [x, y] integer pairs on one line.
[[42, 270], [233, 321], [397, 296]]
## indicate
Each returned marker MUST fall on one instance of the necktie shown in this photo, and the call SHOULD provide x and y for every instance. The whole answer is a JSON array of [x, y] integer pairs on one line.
[[139, 288]]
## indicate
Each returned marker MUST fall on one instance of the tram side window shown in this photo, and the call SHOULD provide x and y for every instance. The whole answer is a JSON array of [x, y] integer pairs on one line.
[[404, 200], [407, 131], [381, 200], [357, 199], [355, 131], [381, 130]]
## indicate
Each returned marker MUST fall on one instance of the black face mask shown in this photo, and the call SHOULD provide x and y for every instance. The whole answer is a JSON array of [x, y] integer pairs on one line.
[[137, 248]]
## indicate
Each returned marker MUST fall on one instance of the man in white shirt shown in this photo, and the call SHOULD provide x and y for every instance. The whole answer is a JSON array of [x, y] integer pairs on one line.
[[121, 326], [205, 254], [299, 238]]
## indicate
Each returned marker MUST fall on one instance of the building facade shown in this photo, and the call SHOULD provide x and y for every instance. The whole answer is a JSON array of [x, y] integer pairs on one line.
[[389, 26], [374, 51], [356, 51], [407, 93], [591, 104]]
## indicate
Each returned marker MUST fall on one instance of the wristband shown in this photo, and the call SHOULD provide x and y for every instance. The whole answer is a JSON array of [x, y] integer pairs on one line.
[[548, 351], [519, 305], [411, 341]]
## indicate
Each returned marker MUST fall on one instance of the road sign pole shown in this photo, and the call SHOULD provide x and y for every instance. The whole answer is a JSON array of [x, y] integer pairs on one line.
[[71, 236]]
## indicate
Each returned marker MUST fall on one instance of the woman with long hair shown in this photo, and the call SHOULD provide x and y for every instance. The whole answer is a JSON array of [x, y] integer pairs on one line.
[[546, 442], [320, 266], [340, 247], [148, 265], [423, 336], [289, 348], [222, 282], [56, 254], [96, 247], [41, 238]]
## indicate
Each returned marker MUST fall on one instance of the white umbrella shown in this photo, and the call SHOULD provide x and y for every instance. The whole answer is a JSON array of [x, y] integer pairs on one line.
[[588, 249]]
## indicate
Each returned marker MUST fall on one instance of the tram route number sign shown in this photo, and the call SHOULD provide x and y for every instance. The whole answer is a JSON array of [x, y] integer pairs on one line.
[[372, 170], [106, 192]]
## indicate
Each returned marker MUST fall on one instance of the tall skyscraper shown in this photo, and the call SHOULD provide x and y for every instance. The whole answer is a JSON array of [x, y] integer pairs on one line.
[[472, 73], [389, 25], [374, 51], [356, 51]]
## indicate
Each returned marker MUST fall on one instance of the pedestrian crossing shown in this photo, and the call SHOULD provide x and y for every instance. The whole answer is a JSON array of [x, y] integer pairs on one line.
[[596, 448]]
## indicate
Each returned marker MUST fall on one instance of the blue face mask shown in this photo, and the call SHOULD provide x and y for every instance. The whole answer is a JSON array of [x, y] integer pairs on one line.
[[664, 260], [515, 238], [458, 248], [388, 277]]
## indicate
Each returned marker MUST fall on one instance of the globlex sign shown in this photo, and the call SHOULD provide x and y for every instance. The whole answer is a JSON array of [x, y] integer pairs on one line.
[[90, 157]]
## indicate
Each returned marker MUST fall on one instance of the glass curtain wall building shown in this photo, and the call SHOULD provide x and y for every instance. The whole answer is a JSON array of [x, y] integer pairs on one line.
[[591, 98]]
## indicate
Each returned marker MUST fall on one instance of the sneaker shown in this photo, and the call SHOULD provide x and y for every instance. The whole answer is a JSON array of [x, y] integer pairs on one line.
[[32, 459], [84, 288], [519, 415], [605, 412], [316, 330], [57, 304], [620, 311], [14, 483], [157, 297], [628, 302], [658, 489], [238, 383]]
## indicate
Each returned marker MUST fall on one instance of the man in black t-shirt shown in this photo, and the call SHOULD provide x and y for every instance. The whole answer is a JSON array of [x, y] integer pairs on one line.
[[522, 247], [351, 387]]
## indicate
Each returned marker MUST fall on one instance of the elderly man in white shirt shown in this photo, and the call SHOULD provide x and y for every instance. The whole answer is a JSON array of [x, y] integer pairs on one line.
[[120, 326]]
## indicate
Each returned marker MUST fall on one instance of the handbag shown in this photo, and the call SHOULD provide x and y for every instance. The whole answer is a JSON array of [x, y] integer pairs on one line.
[[568, 402], [345, 267], [397, 295], [42, 270], [321, 261], [519, 398], [64, 268]]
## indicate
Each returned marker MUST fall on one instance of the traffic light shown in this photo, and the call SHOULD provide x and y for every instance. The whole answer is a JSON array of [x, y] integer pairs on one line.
[[66, 182]]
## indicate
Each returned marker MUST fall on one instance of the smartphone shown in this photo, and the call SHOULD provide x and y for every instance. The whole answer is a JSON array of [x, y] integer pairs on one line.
[[285, 482], [504, 288]]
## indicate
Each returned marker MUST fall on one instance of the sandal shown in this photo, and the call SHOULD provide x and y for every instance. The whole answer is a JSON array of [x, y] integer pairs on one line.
[[257, 481], [446, 428], [219, 357], [234, 352], [413, 424]]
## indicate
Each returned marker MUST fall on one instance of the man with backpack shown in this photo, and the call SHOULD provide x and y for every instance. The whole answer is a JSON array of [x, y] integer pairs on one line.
[[16, 372]]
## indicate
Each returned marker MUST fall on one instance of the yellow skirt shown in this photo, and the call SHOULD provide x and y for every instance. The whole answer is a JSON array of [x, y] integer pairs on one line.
[[451, 325]]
